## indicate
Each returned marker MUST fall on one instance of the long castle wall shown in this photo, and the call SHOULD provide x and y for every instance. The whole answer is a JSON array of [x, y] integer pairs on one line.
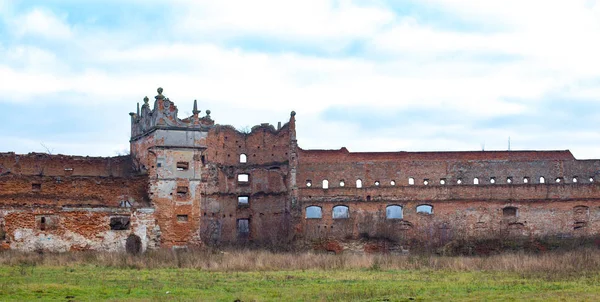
[[189, 182]]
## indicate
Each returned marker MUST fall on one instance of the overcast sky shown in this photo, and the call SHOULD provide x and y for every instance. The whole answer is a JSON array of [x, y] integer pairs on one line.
[[420, 75]]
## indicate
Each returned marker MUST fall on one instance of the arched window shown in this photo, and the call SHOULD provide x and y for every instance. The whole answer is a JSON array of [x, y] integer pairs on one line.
[[442, 181], [475, 181], [393, 212], [313, 212], [341, 212], [411, 181], [492, 180], [325, 184], [509, 180], [574, 179], [359, 183], [392, 183], [243, 158], [509, 212], [425, 209], [581, 210], [542, 179], [525, 180], [459, 181]]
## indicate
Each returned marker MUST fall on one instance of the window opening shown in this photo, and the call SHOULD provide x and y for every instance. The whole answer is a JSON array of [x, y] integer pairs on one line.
[[36, 187], [341, 212], [119, 223], [425, 209], [525, 180], [243, 177], [183, 166], [377, 183], [243, 158], [542, 179], [475, 181], [182, 218], [509, 212], [393, 212], [392, 183], [125, 204], [359, 183], [308, 183], [182, 191], [411, 181], [509, 180], [493, 180], [325, 184], [575, 179], [314, 212], [459, 181], [243, 228], [442, 181], [342, 183], [243, 200], [426, 182]]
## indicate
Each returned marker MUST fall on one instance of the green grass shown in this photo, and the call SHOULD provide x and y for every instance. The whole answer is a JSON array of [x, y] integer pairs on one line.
[[91, 282]]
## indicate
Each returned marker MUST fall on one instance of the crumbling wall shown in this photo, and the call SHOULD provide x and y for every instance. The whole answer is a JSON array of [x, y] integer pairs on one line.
[[69, 229], [266, 152], [564, 205], [62, 203], [43, 164]]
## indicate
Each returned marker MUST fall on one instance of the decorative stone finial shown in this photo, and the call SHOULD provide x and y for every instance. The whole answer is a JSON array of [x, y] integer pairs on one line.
[[146, 99], [138, 108], [208, 113], [160, 96], [293, 113], [195, 111]]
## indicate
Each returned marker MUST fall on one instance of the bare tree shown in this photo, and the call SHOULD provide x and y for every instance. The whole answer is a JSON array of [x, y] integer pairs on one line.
[[48, 150]]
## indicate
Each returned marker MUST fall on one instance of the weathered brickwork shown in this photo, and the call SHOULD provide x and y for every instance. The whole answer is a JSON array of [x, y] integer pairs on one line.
[[191, 182]]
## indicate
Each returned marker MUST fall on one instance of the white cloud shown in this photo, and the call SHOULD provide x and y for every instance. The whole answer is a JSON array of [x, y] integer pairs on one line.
[[43, 24], [325, 22], [551, 48]]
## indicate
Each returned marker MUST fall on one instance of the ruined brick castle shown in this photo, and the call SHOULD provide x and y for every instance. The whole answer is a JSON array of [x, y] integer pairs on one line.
[[191, 182]]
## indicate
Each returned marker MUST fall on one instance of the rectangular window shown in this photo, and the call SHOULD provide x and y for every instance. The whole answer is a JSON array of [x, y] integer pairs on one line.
[[243, 201], [183, 166], [182, 191], [182, 218], [243, 177], [119, 223], [243, 228]]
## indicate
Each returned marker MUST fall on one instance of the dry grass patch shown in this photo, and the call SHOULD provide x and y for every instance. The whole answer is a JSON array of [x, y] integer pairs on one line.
[[568, 262]]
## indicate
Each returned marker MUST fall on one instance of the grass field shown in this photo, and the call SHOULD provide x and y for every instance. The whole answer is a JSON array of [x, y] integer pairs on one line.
[[263, 276]]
